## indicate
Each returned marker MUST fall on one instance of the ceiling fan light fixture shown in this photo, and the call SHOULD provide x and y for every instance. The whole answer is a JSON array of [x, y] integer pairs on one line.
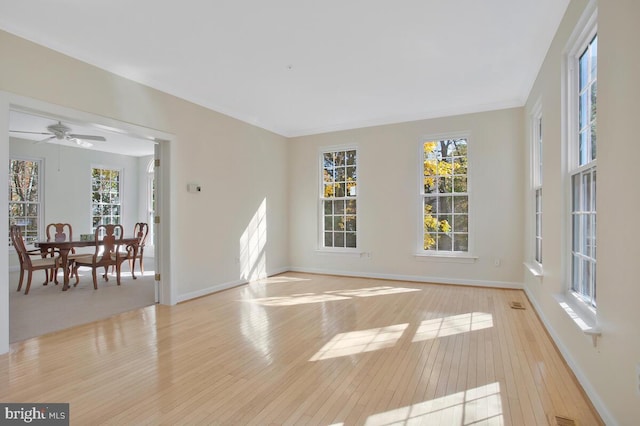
[[82, 143]]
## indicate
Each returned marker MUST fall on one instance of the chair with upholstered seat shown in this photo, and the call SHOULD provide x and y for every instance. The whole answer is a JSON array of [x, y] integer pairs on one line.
[[59, 232], [27, 263], [108, 253]]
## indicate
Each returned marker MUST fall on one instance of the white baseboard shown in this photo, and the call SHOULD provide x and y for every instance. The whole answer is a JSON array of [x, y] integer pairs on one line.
[[417, 278], [600, 407], [224, 286]]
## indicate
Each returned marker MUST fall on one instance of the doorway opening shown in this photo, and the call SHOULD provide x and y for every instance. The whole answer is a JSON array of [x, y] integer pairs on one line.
[[65, 193]]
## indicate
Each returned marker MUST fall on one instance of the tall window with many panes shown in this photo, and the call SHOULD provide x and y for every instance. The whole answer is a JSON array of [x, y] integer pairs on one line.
[[106, 207], [339, 198], [537, 186], [582, 173], [25, 197], [445, 200]]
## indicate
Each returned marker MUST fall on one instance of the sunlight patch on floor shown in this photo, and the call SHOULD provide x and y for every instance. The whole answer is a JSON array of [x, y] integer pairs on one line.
[[327, 296], [278, 279], [451, 325], [373, 291], [356, 342], [297, 299], [481, 405]]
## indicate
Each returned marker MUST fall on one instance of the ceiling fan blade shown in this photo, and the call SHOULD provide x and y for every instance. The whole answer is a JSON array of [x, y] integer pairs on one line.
[[46, 139], [88, 137], [32, 133]]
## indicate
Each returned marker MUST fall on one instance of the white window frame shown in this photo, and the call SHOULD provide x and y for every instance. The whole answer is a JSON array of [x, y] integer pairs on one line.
[[120, 170], [444, 255], [585, 32], [41, 195], [322, 199], [150, 201], [536, 183]]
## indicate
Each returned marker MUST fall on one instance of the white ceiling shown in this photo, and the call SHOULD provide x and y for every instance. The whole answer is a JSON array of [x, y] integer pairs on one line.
[[116, 141], [300, 67]]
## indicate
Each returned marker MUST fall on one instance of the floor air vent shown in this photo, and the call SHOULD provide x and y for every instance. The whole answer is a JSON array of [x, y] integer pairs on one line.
[[564, 421], [516, 305]]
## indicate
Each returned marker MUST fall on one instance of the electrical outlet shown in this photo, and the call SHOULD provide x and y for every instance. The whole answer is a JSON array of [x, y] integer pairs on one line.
[[497, 262]]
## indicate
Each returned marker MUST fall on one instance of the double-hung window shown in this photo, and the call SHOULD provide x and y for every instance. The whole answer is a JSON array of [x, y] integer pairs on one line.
[[338, 198], [25, 197], [445, 200], [537, 185], [582, 167], [106, 207]]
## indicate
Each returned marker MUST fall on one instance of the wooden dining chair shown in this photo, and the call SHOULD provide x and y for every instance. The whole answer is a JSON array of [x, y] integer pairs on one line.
[[28, 264], [140, 230], [108, 253], [59, 232]]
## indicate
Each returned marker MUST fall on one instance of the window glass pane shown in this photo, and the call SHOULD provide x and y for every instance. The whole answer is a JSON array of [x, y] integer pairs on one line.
[[328, 207], [584, 109], [460, 223], [350, 223], [584, 69], [461, 204], [460, 184], [338, 225], [350, 240], [460, 242], [446, 204], [594, 58], [338, 239], [444, 242], [328, 239]]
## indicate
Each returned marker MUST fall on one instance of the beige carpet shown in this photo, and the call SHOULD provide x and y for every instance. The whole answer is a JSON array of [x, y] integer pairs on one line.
[[47, 308]]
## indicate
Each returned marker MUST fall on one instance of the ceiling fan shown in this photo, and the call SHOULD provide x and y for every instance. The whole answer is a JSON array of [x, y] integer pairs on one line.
[[61, 132]]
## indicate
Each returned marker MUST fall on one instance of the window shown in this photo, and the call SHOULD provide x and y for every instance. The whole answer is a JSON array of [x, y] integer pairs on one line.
[[582, 170], [105, 196], [338, 199], [25, 195], [537, 185], [445, 200]]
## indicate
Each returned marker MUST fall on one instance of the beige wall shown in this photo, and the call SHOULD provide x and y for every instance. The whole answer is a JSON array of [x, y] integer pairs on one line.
[[607, 371], [389, 209], [239, 166]]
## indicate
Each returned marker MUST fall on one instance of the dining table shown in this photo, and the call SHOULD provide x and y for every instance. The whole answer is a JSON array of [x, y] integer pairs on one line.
[[64, 247]]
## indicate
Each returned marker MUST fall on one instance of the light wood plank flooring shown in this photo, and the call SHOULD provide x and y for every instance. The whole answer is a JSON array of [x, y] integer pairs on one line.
[[307, 349]]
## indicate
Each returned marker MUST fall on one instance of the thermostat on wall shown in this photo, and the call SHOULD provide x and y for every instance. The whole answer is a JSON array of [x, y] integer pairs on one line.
[[194, 187]]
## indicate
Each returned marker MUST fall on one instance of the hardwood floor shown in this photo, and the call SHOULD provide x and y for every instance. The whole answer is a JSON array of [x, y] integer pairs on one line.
[[307, 349]]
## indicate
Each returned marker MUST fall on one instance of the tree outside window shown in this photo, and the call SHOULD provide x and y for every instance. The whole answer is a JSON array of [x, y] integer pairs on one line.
[[105, 197], [339, 199], [445, 197], [24, 197]]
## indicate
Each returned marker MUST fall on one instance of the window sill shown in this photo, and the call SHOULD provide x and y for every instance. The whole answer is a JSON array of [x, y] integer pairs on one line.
[[343, 252], [534, 269], [584, 317], [446, 258]]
